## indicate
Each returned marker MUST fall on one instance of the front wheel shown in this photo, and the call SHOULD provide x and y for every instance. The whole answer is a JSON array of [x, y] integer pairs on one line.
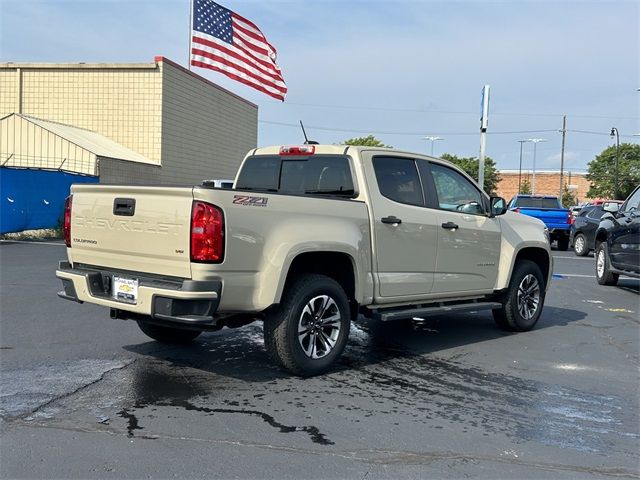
[[580, 245], [603, 267], [168, 334], [308, 331], [523, 300]]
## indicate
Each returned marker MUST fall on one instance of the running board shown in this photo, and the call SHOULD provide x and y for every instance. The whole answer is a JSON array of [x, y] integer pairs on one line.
[[387, 316]]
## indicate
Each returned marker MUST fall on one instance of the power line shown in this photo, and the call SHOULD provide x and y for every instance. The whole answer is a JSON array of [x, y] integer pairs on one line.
[[451, 112], [386, 132], [383, 132]]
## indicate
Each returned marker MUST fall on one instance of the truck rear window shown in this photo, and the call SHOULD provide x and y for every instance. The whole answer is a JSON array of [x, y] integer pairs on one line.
[[536, 202], [313, 175]]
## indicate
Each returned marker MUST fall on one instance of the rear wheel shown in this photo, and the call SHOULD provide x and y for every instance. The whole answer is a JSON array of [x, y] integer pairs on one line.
[[603, 267], [580, 245], [168, 334], [308, 331], [563, 243], [523, 301]]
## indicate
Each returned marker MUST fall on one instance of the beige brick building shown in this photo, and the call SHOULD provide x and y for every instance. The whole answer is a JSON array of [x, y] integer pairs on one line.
[[547, 183], [178, 127]]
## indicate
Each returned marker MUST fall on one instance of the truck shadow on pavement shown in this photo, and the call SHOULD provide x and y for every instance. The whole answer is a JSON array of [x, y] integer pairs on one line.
[[239, 353]]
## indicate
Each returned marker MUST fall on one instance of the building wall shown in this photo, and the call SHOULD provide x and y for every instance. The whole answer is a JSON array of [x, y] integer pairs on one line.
[[121, 171], [547, 183], [206, 130], [120, 101]]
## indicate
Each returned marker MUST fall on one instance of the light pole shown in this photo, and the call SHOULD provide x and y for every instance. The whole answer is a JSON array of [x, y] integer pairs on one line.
[[520, 167], [433, 139], [535, 142], [614, 131]]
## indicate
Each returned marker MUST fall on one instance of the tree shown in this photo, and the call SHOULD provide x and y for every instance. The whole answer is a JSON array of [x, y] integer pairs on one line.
[[525, 187], [568, 197], [471, 164], [601, 172], [368, 141]]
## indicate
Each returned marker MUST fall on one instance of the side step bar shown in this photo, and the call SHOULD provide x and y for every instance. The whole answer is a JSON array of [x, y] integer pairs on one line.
[[387, 315]]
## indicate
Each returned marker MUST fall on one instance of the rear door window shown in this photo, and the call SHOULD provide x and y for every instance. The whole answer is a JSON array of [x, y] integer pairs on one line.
[[398, 179], [596, 213]]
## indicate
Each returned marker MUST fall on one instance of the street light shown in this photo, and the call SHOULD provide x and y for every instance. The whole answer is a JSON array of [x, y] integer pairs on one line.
[[520, 167], [535, 142], [614, 131], [433, 139]]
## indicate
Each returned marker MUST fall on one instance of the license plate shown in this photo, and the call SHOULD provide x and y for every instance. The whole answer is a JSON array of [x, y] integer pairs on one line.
[[125, 289]]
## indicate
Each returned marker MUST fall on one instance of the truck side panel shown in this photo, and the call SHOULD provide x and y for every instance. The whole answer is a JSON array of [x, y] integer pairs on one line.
[[264, 234]]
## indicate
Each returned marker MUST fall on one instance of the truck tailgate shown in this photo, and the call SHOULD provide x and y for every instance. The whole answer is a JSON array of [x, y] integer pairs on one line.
[[132, 228], [552, 217]]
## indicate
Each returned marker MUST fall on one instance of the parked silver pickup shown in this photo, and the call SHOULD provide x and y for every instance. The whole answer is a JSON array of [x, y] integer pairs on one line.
[[309, 238]]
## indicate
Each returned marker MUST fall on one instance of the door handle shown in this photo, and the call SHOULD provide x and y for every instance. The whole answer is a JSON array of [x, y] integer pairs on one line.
[[391, 219], [450, 225]]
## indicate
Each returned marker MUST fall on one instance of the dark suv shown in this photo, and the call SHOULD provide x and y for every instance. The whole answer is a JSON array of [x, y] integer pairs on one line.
[[618, 240], [583, 230]]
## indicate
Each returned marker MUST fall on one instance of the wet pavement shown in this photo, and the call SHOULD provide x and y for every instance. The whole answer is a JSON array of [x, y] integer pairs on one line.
[[83, 396]]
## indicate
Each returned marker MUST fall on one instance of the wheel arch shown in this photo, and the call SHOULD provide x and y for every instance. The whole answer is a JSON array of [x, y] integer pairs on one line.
[[537, 255], [339, 266]]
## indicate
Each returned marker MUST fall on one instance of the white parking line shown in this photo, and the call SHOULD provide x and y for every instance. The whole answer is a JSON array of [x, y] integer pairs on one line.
[[575, 258], [34, 243]]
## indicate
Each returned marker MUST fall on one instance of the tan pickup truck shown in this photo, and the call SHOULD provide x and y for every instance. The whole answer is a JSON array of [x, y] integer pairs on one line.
[[309, 238]]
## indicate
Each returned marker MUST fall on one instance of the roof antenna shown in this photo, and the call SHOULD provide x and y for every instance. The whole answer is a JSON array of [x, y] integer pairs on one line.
[[306, 140]]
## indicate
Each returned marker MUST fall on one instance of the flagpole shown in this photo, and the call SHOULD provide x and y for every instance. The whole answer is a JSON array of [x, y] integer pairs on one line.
[[189, 32]]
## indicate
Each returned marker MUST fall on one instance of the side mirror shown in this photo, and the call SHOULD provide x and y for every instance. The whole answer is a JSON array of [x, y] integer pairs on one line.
[[498, 206], [611, 207]]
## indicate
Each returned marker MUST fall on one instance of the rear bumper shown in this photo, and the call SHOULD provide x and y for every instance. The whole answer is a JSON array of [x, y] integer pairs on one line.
[[166, 300]]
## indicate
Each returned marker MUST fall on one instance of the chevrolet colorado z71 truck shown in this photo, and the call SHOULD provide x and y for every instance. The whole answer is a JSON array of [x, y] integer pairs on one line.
[[310, 237]]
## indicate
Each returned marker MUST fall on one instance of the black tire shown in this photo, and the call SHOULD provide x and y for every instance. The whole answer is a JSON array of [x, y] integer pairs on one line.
[[282, 325], [563, 243], [510, 316], [168, 334], [604, 275], [580, 246]]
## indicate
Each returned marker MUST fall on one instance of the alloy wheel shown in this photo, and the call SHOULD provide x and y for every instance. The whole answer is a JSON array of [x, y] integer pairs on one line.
[[319, 326], [528, 297]]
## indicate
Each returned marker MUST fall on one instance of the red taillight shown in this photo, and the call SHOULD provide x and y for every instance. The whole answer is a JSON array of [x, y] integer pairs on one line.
[[207, 233], [570, 218], [300, 150], [517, 210], [66, 225]]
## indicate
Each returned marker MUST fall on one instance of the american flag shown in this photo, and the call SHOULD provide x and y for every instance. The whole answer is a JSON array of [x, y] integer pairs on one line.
[[223, 41]]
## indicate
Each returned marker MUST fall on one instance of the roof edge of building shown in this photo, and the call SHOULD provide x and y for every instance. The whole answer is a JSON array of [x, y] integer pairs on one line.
[[79, 65], [160, 58]]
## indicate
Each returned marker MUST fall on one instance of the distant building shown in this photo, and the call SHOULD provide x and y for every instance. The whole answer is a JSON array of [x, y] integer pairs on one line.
[[163, 123], [547, 183]]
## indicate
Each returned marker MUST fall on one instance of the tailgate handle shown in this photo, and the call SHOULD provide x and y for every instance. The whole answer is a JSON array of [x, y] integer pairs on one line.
[[124, 206]]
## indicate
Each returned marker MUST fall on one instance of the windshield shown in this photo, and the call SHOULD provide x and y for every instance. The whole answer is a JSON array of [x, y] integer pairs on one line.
[[312, 175]]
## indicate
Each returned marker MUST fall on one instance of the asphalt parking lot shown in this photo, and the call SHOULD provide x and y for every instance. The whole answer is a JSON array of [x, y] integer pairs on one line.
[[83, 396]]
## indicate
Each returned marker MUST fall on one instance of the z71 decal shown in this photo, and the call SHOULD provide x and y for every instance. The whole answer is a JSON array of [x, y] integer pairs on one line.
[[250, 201]]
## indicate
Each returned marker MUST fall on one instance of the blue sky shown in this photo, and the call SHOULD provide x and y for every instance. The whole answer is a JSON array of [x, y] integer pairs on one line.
[[400, 70]]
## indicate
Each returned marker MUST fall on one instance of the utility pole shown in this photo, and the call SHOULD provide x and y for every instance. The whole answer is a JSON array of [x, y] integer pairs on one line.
[[520, 167], [564, 134]]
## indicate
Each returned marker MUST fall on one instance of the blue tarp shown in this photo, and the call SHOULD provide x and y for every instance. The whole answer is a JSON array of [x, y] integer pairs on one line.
[[31, 199]]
